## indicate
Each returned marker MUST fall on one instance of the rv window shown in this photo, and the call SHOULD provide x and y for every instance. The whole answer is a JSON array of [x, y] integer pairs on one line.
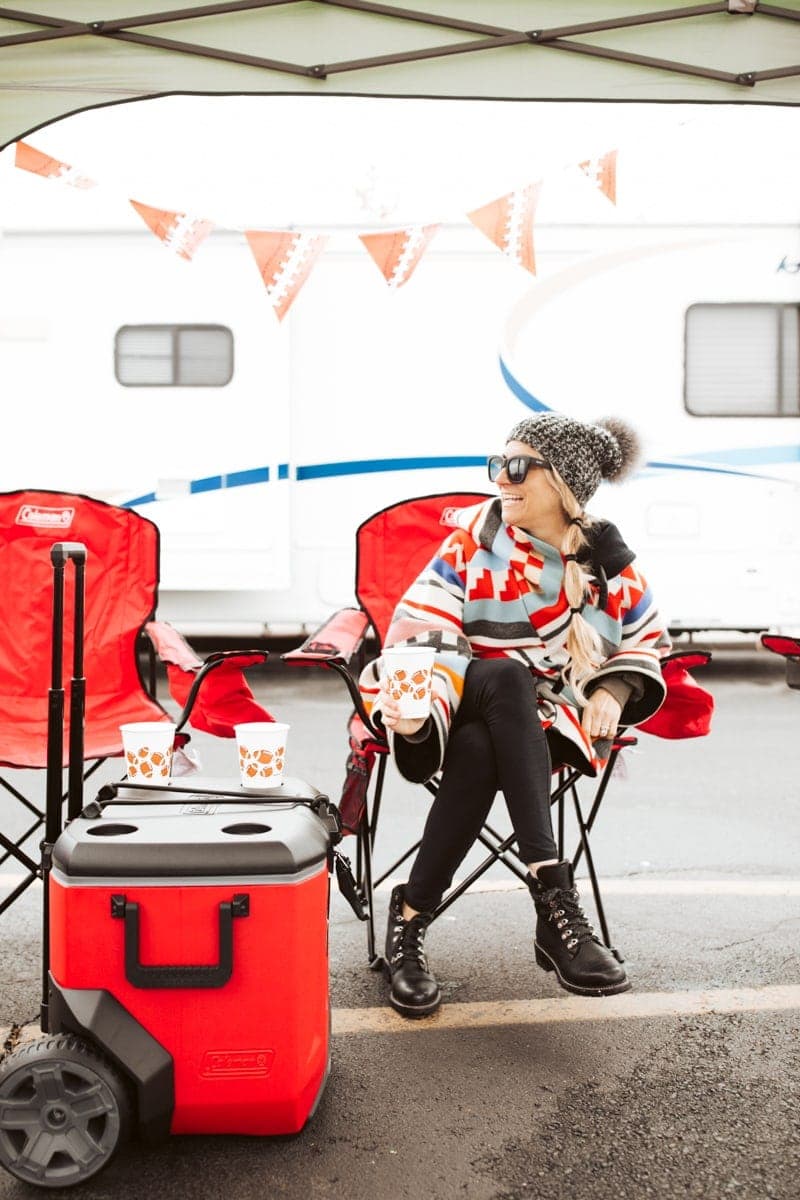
[[173, 355], [742, 360]]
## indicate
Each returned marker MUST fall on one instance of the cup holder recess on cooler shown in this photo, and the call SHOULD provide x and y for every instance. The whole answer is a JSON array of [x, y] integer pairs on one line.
[[246, 827], [110, 830]]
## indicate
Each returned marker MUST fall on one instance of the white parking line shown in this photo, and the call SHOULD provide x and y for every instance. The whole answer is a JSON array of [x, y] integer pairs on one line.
[[497, 1013], [571, 1008]]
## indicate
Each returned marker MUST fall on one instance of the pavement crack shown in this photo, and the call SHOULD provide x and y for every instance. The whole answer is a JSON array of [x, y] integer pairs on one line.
[[756, 936]]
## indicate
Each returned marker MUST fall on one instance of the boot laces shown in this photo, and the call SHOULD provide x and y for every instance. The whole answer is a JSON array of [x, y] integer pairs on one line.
[[409, 946], [564, 911]]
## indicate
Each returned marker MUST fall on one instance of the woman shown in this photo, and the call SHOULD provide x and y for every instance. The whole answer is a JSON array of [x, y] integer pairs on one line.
[[541, 620]]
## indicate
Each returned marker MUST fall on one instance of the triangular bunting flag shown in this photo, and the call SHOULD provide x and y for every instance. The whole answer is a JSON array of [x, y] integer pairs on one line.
[[398, 253], [28, 158], [603, 173], [508, 222], [176, 230], [284, 261]]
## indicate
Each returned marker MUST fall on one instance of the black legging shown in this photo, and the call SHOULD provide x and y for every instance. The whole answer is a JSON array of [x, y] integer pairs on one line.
[[496, 744]]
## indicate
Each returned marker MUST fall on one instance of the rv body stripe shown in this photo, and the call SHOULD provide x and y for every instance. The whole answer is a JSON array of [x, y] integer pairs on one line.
[[374, 466], [520, 392], [369, 466]]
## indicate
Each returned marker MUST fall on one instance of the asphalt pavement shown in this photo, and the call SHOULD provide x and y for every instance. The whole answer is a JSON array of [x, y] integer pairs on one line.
[[686, 1086]]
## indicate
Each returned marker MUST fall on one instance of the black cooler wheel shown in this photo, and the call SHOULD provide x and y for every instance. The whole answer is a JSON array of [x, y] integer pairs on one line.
[[64, 1110]]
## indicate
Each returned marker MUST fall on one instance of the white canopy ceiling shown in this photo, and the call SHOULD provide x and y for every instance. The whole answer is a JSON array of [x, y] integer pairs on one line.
[[63, 56]]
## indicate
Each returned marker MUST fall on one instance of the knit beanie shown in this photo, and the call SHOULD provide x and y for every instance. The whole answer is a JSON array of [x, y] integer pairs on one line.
[[583, 454]]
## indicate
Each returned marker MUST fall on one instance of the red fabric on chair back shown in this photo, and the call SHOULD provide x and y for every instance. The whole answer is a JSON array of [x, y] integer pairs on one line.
[[688, 708], [121, 587], [393, 545]]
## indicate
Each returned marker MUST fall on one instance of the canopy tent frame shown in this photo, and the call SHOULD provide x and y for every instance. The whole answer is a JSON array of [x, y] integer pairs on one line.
[[554, 39]]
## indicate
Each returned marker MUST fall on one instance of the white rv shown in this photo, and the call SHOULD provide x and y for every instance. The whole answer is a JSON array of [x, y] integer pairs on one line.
[[258, 446]]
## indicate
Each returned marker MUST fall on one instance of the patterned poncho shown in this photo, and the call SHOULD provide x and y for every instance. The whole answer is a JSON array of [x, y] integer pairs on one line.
[[493, 590]]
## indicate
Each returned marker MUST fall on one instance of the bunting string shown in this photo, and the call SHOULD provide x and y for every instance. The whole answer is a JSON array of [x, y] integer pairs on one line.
[[285, 258]]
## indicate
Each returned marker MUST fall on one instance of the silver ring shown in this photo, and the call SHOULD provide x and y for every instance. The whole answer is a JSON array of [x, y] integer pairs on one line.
[[604, 729]]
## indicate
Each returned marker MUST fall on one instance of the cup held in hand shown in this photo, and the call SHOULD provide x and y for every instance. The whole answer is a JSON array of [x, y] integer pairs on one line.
[[262, 753], [409, 673], [147, 749]]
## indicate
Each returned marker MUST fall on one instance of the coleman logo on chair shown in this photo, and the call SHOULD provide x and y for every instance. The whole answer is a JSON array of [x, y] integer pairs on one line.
[[45, 518]]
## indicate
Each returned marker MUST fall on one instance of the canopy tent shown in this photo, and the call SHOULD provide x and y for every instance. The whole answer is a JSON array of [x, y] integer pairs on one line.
[[59, 57]]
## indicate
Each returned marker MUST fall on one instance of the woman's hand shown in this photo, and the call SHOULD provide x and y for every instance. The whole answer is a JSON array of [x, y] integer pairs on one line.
[[390, 712], [601, 715]]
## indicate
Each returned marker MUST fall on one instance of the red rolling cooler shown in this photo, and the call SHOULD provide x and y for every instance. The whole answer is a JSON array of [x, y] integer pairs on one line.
[[187, 983]]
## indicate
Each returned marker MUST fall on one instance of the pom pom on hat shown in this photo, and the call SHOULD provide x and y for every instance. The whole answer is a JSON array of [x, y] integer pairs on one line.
[[626, 451]]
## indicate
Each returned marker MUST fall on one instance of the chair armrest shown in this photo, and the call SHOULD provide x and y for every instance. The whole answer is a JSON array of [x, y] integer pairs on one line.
[[227, 701], [789, 648], [333, 646], [338, 640], [688, 659], [780, 643]]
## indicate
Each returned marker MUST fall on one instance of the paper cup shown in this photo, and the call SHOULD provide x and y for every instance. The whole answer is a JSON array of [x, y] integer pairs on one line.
[[147, 747], [262, 752], [409, 671]]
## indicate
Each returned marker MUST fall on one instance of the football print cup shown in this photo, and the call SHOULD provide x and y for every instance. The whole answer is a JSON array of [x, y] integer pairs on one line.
[[147, 748], [262, 753], [409, 670]]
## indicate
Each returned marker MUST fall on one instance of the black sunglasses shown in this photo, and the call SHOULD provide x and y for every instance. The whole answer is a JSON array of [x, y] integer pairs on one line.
[[516, 467]]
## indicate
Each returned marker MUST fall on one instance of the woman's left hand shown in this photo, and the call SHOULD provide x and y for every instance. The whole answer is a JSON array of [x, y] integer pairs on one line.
[[601, 715]]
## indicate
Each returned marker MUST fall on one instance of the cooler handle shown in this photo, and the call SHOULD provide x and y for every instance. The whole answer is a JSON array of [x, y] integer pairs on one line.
[[179, 976]]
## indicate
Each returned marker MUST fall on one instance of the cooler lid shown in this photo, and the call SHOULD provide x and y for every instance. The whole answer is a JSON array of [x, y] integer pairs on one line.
[[209, 831]]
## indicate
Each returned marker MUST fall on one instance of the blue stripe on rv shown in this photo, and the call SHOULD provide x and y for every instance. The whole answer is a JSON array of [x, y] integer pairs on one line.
[[373, 466], [520, 392], [370, 466]]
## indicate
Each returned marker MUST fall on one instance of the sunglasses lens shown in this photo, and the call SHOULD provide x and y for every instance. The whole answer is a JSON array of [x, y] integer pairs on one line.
[[517, 469], [495, 465]]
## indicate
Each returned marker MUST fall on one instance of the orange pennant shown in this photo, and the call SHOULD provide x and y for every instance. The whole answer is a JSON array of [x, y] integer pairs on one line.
[[398, 253], [508, 222], [176, 230], [603, 173], [284, 262], [28, 158]]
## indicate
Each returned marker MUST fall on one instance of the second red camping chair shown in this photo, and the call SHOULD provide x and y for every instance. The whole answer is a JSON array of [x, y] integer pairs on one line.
[[122, 573]]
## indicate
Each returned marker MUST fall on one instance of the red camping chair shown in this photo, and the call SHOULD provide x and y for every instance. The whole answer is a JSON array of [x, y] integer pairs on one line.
[[121, 591], [392, 547]]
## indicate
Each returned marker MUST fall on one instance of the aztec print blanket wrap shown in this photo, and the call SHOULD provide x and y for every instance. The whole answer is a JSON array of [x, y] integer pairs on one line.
[[491, 591]]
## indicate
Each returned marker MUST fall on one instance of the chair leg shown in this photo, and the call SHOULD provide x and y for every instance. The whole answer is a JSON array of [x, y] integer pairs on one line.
[[20, 855], [598, 799], [481, 869], [374, 959], [17, 892], [584, 844], [365, 842], [376, 801], [22, 799], [515, 868]]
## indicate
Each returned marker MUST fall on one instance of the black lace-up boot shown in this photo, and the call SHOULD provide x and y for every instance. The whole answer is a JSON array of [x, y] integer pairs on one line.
[[415, 992], [566, 942]]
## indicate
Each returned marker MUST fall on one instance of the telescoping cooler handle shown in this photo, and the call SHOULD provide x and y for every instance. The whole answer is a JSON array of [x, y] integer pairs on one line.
[[60, 554], [179, 976]]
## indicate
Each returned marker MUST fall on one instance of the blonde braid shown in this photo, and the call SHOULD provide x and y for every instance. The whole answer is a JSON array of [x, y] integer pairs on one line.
[[583, 641]]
